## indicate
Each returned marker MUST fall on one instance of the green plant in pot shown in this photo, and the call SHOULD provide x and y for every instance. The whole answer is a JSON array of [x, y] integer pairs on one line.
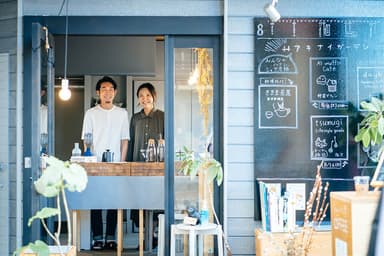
[[371, 129], [193, 165], [58, 177]]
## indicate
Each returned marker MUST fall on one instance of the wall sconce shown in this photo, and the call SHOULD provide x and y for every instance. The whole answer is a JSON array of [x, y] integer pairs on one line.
[[65, 93], [271, 11]]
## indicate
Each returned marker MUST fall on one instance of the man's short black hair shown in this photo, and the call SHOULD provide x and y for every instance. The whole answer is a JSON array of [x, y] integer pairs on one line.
[[105, 79]]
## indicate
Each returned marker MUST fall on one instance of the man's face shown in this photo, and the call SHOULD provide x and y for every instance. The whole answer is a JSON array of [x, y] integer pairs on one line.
[[106, 93]]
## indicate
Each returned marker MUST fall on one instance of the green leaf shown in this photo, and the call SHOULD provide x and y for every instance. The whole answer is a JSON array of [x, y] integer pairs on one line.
[[43, 214], [380, 126], [366, 139], [211, 173], [39, 247], [377, 103], [219, 177], [359, 135], [368, 106], [75, 177]]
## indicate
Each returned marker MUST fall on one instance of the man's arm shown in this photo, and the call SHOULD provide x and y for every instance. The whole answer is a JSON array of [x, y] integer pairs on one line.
[[123, 150]]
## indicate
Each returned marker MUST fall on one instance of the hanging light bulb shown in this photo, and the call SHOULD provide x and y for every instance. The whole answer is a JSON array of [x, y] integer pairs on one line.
[[65, 93]]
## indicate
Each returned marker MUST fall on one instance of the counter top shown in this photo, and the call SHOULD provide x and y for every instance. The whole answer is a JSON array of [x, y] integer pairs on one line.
[[125, 168]]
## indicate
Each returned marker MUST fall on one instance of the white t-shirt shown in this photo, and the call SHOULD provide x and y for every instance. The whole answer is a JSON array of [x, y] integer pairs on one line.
[[108, 128]]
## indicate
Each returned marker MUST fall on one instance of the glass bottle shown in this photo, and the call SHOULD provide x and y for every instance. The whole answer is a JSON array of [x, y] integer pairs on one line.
[[161, 150], [151, 151], [88, 141], [204, 213], [76, 151]]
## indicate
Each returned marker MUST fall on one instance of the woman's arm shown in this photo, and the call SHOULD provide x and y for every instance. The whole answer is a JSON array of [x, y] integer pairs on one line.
[[123, 150]]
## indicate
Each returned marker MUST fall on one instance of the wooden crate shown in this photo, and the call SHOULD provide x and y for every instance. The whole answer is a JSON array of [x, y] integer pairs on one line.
[[273, 243], [351, 216]]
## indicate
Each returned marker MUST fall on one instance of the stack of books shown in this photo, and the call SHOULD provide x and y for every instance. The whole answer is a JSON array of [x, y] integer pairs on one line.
[[278, 211]]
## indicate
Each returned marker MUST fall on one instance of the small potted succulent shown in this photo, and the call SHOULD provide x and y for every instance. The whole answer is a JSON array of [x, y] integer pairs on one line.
[[58, 177]]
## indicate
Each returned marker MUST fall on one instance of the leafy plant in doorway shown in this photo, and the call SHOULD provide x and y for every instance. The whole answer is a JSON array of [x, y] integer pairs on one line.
[[55, 179], [203, 164], [371, 129]]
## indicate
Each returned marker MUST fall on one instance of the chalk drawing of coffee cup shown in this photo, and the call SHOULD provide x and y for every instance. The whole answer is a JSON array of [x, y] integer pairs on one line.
[[321, 80], [332, 85], [280, 110]]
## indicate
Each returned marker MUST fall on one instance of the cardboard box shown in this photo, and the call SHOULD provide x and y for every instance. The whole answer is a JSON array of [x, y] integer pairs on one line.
[[274, 243], [352, 214]]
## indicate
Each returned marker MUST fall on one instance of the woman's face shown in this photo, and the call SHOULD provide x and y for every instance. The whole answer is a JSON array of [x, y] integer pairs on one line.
[[145, 98]]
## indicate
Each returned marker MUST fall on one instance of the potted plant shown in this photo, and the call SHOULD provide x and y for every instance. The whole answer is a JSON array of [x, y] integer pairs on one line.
[[204, 164], [55, 179], [372, 127], [210, 170]]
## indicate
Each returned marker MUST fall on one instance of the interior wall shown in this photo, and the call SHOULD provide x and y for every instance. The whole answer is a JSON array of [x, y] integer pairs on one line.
[[113, 55], [68, 122]]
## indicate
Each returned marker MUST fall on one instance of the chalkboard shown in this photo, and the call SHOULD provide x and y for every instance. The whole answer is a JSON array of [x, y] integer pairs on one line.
[[310, 76]]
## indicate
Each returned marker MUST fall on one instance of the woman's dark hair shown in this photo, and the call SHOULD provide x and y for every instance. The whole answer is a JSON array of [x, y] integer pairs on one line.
[[150, 88], [105, 79]]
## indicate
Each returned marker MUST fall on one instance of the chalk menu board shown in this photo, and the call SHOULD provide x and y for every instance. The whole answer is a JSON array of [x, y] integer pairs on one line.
[[310, 76]]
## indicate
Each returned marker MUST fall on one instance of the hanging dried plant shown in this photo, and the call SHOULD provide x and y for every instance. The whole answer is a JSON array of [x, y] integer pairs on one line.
[[204, 83]]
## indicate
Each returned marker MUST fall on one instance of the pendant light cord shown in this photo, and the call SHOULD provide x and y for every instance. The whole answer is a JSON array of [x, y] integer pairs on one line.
[[66, 40]]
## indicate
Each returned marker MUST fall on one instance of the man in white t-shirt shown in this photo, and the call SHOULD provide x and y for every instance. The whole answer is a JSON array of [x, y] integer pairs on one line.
[[109, 127]]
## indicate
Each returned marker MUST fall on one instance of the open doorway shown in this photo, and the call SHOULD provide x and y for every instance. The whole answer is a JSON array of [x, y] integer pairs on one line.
[[129, 60]]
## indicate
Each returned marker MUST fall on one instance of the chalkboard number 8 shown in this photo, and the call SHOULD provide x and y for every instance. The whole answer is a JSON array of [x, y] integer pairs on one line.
[[260, 31]]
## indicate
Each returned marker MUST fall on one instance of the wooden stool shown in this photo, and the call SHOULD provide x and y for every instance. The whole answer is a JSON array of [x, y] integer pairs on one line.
[[193, 231], [76, 231]]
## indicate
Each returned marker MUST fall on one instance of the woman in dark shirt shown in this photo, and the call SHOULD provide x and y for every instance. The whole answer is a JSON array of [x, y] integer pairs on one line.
[[146, 124]]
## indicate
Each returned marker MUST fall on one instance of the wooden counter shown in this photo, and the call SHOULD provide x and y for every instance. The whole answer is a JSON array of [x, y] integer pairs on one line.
[[126, 168], [107, 169]]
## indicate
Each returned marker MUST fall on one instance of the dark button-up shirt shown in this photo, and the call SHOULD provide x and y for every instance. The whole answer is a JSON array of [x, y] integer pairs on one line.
[[142, 128]]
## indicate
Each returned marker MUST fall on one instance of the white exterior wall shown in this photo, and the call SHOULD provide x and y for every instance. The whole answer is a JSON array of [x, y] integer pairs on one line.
[[239, 83], [125, 7], [8, 28], [239, 146]]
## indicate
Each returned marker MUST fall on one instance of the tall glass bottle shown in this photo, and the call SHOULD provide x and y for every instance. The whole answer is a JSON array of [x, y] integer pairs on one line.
[[151, 151], [161, 150]]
